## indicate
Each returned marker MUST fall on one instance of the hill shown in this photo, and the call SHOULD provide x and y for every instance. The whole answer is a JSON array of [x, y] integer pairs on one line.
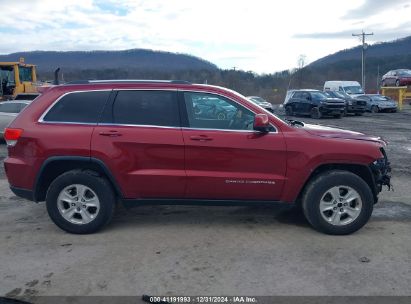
[[134, 59], [346, 65], [396, 48]]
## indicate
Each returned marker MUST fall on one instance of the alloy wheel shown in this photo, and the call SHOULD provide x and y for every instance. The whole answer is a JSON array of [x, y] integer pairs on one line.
[[78, 204], [340, 205]]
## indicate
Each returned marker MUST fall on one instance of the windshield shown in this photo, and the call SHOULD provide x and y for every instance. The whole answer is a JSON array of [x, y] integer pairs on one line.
[[353, 90], [340, 94], [319, 95], [25, 74]]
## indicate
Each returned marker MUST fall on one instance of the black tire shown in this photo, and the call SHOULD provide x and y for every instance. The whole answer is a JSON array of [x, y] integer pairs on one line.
[[318, 187], [375, 109], [101, 188], [315, 113], [358, 114], [289, 111], [338, 115], [397, 83]]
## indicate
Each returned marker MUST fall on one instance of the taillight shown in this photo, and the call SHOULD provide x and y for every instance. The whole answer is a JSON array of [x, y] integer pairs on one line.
[[12, 136]]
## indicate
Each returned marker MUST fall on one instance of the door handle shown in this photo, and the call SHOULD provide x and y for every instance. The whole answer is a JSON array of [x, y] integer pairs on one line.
[[110, 133], [201, 138]]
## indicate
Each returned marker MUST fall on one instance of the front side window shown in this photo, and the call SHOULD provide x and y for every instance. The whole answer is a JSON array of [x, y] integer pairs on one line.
[[153, 108], [78, 107], [209, 111], [6, 75]]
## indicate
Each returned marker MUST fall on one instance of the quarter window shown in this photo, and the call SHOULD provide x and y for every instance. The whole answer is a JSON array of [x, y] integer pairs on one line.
[[157, 108], [209, 111], [82, 107]]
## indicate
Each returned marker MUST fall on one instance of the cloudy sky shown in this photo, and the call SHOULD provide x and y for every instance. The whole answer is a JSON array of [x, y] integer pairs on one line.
[[257, 35]]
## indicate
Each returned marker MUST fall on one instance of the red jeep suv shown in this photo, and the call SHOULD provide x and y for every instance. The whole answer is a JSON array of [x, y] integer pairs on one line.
[[81, 147]]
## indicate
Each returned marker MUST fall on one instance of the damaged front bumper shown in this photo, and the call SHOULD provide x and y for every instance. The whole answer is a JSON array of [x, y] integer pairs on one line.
[[381, 170]]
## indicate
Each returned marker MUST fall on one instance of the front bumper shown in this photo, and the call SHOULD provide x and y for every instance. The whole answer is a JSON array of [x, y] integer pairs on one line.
[[355, 109], [381, 170], [393, 107], [332, 109]]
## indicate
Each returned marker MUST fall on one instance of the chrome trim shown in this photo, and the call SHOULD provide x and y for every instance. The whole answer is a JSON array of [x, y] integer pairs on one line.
[[41, 119], [178, 128], [136, 125], [146, 89], [228, 130], [68, 123]]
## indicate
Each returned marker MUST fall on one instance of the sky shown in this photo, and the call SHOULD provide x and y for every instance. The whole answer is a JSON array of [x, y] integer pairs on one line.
[[255, 35]]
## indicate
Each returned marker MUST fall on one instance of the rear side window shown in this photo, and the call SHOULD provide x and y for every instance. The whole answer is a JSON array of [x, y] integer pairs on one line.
[[155, 108], [82, 107]]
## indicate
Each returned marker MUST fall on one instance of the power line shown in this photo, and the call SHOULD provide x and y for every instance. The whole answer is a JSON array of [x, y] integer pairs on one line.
[[364, 46]]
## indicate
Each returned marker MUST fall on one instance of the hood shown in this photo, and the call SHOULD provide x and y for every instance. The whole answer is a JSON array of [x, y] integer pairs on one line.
[[356, 95], [332, 132], [265, 104]]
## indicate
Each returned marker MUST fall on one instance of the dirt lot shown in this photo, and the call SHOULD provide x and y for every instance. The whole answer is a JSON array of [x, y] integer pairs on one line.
[[216, 250]]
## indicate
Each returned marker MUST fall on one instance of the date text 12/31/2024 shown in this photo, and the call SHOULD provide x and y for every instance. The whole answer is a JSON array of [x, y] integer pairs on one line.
[[199, 299]]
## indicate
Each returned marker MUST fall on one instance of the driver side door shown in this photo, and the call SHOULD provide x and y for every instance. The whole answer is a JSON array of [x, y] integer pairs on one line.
[[225, 159]]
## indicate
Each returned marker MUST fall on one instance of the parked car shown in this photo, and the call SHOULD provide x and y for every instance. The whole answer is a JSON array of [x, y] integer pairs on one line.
[[314, 103], [208, 107], [8, 111], [352, 88], [84, 147], [261, 102], [379, 103], [401, 77], [353, 105]]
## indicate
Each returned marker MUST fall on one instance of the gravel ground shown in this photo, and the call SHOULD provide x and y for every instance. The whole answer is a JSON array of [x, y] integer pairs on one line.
[[176, 250]]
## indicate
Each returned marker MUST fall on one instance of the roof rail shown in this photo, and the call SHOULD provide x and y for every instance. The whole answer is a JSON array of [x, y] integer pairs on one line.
[[126, 81]]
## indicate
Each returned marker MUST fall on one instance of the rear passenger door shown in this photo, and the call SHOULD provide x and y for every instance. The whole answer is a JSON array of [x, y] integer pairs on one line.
[[139, 138]]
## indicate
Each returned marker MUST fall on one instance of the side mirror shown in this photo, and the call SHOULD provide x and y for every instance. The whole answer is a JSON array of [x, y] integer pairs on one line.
[[261, 123]]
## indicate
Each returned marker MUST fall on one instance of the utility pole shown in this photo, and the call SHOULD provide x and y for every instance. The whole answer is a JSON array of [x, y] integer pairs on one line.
[[364, 46]]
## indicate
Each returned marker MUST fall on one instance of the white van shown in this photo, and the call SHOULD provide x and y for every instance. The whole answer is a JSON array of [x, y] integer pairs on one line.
[[349, 87]]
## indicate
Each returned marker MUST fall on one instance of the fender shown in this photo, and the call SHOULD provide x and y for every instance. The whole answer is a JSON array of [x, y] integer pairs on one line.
[[72, 161]]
